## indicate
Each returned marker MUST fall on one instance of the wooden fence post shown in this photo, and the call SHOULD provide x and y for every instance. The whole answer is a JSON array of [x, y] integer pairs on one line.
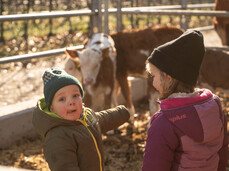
[[137, 18], [183, 19], [148, 16], [1, 24], [26, 10], [68, 18], [131, 15], [97, 17], [159, 17], [106, 17], [50, 20], [119, 15]]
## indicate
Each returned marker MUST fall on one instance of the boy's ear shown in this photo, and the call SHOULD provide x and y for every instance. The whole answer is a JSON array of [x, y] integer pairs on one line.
[[51, 108]]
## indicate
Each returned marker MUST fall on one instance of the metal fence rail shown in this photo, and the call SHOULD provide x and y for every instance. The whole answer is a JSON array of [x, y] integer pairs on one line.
[[179, 12], [189, 6], [45, 15], [37, 54]]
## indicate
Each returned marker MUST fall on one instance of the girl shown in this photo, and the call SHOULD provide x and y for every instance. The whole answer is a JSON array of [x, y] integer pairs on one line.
[[189, 130]]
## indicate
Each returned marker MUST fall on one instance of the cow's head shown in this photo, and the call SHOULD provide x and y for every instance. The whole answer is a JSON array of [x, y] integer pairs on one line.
[[89, 62]]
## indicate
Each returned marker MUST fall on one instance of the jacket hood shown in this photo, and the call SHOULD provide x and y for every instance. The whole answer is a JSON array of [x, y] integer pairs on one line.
[[181, 99], [199, 116], [43, 120]]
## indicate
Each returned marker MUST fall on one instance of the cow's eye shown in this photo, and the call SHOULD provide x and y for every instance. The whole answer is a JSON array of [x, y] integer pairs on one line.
[[95, 66]]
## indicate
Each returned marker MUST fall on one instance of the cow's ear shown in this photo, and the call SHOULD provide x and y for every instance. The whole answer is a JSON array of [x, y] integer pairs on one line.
[[105, 52], [85, 42], [73, 54]]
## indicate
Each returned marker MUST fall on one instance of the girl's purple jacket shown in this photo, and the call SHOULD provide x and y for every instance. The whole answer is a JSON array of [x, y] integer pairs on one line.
[[187, 134]]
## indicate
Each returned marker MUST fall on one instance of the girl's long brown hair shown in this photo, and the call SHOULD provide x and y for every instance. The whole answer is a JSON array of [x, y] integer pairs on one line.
[[173, 86]]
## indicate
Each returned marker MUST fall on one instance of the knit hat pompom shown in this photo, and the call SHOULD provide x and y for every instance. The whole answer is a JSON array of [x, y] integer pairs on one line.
[[181, 58], [54, 79]]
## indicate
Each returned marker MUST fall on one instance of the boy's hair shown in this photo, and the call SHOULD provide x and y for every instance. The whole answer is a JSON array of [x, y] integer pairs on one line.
[[54, 79], [181, 58]]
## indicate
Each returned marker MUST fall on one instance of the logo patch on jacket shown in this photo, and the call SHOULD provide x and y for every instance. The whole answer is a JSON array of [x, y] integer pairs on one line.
[[178, 117], [90, 119]]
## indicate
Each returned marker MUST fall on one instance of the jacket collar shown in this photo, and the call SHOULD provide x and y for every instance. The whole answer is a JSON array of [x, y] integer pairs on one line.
[[180, 99]]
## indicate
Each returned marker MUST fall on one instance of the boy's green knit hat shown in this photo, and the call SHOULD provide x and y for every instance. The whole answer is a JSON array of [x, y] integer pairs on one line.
[[54, 79]]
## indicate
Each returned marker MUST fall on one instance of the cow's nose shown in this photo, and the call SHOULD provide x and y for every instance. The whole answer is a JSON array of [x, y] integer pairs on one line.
[[88, 81]]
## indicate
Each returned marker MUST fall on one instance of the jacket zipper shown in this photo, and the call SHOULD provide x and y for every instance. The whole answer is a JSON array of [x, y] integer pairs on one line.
[[96, 145]]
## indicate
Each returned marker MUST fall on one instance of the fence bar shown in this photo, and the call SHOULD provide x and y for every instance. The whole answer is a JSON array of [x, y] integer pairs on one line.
[[179, 12], [202, 28], [97, 17], [106, 16], [1, 24], [226, 48], [207, 5], [37, 55], [50, 20], [183, 19], [45, 15], [171, 7], [164, 7], [119, 15]]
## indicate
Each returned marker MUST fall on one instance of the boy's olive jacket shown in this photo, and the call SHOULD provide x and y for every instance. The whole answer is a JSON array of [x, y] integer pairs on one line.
[[76, 145]]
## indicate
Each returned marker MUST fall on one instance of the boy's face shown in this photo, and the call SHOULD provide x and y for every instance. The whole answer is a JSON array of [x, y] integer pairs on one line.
[[67, 102]]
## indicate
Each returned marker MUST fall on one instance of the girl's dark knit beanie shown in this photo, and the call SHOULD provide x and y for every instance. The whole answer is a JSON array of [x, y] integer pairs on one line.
[[54, 79], [181, 58]]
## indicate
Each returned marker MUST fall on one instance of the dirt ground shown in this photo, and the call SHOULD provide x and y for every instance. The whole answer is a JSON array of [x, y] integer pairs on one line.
[[123, 150]]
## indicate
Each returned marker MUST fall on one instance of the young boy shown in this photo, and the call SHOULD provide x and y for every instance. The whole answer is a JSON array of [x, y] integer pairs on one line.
[[72, 132]]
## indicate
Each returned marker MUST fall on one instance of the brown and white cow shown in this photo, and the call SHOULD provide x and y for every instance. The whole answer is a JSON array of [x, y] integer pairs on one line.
[[133, 48], [97, 63], [221, 24]]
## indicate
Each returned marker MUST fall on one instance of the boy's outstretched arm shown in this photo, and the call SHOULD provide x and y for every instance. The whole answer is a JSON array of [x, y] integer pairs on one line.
[[112, 118]]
